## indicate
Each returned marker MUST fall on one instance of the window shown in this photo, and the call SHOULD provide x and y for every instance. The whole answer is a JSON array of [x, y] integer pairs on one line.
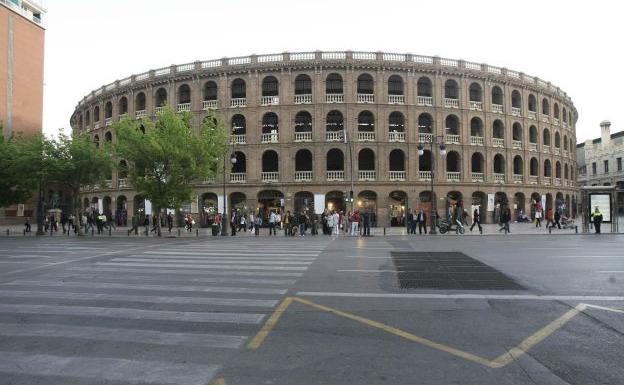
[[606, 166], [619, 164], [303, 85], [594, 168]]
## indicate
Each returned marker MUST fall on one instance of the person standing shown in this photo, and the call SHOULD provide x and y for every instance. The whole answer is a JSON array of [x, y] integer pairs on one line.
[[336, 223], [411, 224], [476, 220], [557, 219], [272, 223], [355, 223], [421, 219], [27, 225], [549, 218], [288, 221], [234, 222], [366, 224], [257, 225], [302, 223], [252, 223], [538, 217], [596, 216]]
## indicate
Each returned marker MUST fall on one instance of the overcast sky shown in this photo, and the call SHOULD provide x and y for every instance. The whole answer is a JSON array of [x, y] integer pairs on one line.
[[90, 43]]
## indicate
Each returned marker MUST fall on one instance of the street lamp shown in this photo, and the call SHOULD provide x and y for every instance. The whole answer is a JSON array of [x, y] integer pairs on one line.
[[348, 142], [421, 151], [224, 216]]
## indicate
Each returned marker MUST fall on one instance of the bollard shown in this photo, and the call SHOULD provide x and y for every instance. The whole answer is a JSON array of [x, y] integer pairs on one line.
[[178, 231], [92, 231], [384, 231], [576, 229], [110, 231], [7, 232], [24, 232], [197, 233]]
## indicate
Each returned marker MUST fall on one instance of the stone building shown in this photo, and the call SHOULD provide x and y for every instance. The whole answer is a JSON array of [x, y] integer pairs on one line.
[[307, 126]]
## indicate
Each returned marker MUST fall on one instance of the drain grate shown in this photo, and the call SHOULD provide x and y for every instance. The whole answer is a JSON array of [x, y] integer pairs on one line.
[[448, 270]]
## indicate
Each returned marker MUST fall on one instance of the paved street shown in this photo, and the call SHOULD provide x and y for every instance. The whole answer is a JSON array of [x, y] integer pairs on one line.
[[312, 310]]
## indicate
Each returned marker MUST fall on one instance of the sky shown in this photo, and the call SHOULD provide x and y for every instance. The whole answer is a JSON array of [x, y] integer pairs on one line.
[[576, 45]]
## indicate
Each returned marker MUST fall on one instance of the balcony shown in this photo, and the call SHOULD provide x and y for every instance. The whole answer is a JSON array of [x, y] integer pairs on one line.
[[424, 100], [270, 177], [545, 118], [335, 176], [498, 142], [96, 125], [546, 149], [269, 100], [184, 107], [122, 116], [548, 180], [557, 181], [334, 98], [518, 178], [334, 136], [477, 140], [396, 99], [424, 175], [397, 176], [365, 98], [497, 108], [270, 138], [238, 177], [555, 121], [108, 183], [108, 121], [499, 178], [565, 124], [515, 111], [159, 110], [238, 102], [396, 136], [452, 176], [566, 153], [451, 103], [533, 115], [566, 183], [366, 136], [478, 177], [557, 151], [367, 175], [303, 176], [425, 138], [533, 179], [238, 139], [210, 104], [122, 183], [516, 144], [303, 136], [139, 114], [532, 146], [451, 139], [210, 180], [476, 106], [303, 99]]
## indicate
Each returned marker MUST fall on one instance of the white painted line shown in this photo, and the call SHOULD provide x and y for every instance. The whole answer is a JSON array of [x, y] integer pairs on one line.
[[256, 253], [135, 314], [587, 256], [229, 258], [131, 286], [610, 271], [122, 335], [605, 308], [203, 266], [109, 369], [27, 263], [187, 272], [181, 260], [149, 278], [366, 271], [365, 257], [465, 296], [72, 295]]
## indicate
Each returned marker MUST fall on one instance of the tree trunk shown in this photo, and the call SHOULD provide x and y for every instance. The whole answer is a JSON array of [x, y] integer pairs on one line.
[[158, 221], [77, 216]]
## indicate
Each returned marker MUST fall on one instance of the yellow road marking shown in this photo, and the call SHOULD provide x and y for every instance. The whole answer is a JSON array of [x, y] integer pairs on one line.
[[219, 381], [270, 323]]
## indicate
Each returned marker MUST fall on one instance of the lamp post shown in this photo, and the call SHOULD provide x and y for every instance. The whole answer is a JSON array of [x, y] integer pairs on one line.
[[421, 151], [346, 140], [224, 216]]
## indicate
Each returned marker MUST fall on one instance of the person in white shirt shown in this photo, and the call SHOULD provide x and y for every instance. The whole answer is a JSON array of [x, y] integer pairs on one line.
[[336, 223]]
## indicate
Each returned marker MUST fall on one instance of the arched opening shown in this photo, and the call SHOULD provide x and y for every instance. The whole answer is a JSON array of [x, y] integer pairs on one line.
[[396, 122], [335, 160], [270, 161], [533, 134], [270, 86], [108, 137], [497, 96], [334, 121], [239, 125], [518, 165], [454, 205], [424, 87], [209, 209], [270, 127], [239, 89], [565, 171], [565, 142], [333, 84], [516, 99], [269, 201], [475, 93], [567, 209], [184, 94], [397, 160], [335, 200], [558, 170], [546, 138], [210, 90], [424, 161], [366, 160], [123, 105], [139, 103], [303, 122], [500, 198], [96, 141], [519, 204], [499, 164], [498, 129], [398, 208], [545, 107], [367, 202], [453, 162], [564, 115], [96, 114], [557, 140], [303, 160], [532, 103], [303, 85], [547, 168], [365, 84], [516, 132], [122, 170], [87, 118], [304, 202], [366, 122], [425, 124], [556, 110], [477, 163], [476, 127], [108, 110], [395, 85], [452, 125], [534, 167], [480, 203], [240, 166], [451, 90], [161, 97]]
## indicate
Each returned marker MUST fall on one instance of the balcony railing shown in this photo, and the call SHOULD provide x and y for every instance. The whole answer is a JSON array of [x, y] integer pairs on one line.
[[397, 175], [497, 108], [270, 138], [555, 121], [547, 180], [498, 142], [396, 136], [108, 121], [367, 175], [532, 146], [303, 99], [396, 99], [477, 140], [515, 111], [546, 149], [476, 106], [533, 115], [334, 98], [566, 183], [122, 116], [451, 139], [366, 136], [334, 136], [517, 144], [271, 176], [565, 124], [424, 175], [108, 183], [238, 177], [566, 153], [533, 179], [366, 98], [545, 118], [518, 178], [184, 107], [303, 176], [210, 180], [478, 177], [238, 102], [122, 183], [210, 104], [425, 138], [303, 136], [238, 139], [451, 103], [269, 100], [159, 110], [139, 114], [452, 176], [424, 100], [557, 181], [557, 151], [334, 176], [499, 178]]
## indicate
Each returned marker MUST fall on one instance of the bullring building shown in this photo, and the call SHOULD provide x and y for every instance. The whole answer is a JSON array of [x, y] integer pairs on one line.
[[309, 127]]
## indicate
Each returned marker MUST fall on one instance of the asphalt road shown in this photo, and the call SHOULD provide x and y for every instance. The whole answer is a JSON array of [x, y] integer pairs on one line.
[[312, 310]]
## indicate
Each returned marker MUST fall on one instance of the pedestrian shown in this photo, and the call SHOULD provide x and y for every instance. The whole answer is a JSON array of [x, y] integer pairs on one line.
[[234, 220], [505, 217], [53, 224], [242, 223], [557, 219], [549, 218], [278, 220], [169, 221], [421, 219], [64, 222], [154, 224], [27, 225], [70, 223], [272, 218], [252, 223], [336, 223], [476, 220], [366, 219], [302, 223], [596, 217], [257, 225], [411, 222], [355, 223], [538, 217], [216, 225], [288, 222]]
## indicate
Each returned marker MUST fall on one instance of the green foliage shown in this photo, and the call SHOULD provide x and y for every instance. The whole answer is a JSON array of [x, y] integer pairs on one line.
[[21, 167], [166, 159]]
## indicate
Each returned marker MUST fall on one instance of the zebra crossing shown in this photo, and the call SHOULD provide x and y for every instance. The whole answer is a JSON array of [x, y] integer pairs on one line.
[[168, 315]]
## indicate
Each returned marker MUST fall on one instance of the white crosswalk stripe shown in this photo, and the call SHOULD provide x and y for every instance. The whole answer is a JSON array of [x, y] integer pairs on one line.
[[191, 302]]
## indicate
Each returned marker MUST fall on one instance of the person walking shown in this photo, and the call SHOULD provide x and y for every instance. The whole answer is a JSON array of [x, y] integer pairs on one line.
[[288, 222], [411, 224], [366, 224], [252, 223], [272, 223], [169, 221], [538, 217], [135, 225], [596, 217], [242, 223], [234, 223], [355, 223], [303, 219], [421, 219], [27, 225], [476, 220], [557, 219]]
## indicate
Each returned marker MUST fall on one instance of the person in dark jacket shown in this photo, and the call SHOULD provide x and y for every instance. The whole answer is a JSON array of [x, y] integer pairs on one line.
[[557, 219], [596, 217], [476, 220], [421, 219]]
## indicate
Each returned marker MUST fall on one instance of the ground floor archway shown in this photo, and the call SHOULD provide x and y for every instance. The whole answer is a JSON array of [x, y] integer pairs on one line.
[[121, 212], [335, 200], [304, 201], [269, 201], [480, 203], [367, 202], [208, 209], [398, 208]]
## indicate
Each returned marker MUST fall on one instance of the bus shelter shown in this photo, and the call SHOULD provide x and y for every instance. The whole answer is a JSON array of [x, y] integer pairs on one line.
[[603, 197]]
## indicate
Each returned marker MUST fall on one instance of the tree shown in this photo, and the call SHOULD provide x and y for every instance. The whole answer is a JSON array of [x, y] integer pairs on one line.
[[169, 156]]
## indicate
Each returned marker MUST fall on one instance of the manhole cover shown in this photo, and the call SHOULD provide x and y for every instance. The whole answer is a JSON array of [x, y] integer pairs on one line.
[[448, 270]]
